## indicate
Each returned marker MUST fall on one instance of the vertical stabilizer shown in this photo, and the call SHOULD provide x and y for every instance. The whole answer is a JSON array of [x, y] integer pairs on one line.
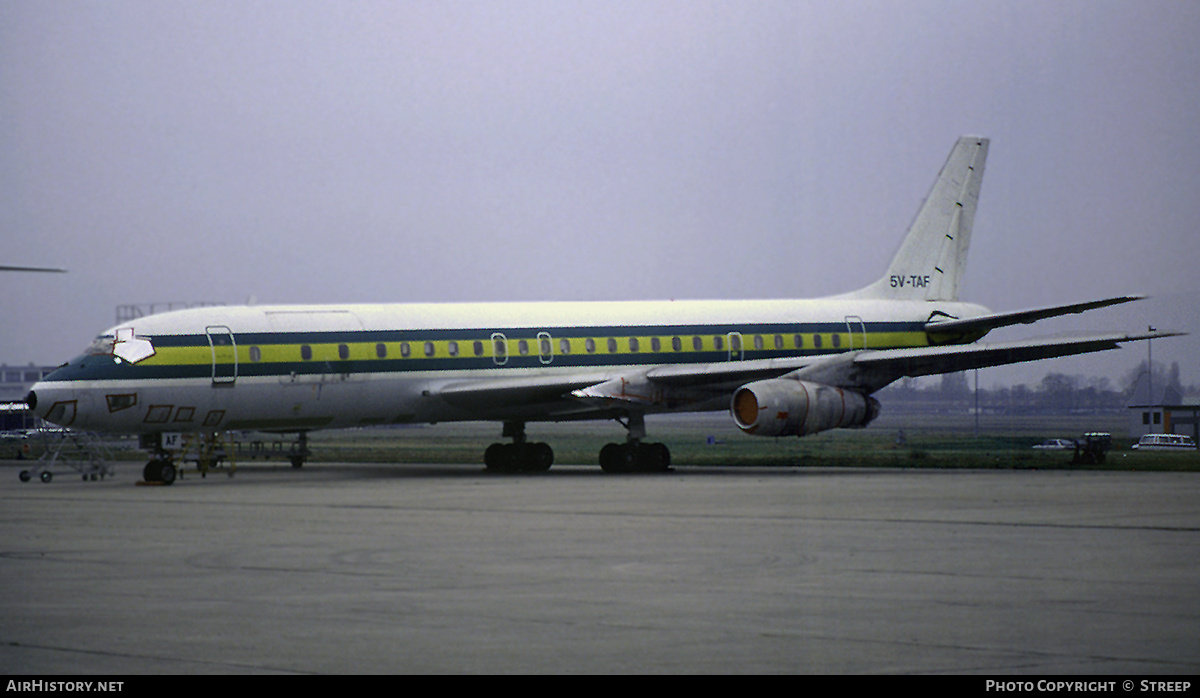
[[930, 262]]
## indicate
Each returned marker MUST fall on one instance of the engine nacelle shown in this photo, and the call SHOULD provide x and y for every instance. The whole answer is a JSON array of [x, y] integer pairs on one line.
[[786, 407]]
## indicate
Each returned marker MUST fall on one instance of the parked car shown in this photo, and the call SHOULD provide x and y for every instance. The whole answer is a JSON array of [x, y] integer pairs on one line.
[[1165, 442]]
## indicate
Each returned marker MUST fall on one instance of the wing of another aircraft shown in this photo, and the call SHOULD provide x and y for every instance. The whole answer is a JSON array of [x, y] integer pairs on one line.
[[6, 267]]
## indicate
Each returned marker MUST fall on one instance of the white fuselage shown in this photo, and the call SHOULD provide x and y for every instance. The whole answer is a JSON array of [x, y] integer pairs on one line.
[[307, 367]]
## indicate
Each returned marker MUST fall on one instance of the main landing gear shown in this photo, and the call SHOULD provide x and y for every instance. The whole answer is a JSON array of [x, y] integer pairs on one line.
[[520, 456], [635, 456]]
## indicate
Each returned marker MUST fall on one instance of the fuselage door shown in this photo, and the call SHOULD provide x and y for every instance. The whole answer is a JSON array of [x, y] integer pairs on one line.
[[499, 349], [736, 347], [545, 347], [224, 354], [857, 331]]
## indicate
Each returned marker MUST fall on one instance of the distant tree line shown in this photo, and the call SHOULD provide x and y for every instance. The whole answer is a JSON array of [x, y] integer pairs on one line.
[[1055, 393]]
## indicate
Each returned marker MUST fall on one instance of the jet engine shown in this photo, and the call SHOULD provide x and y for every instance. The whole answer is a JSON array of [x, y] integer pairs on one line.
[[787, 407]]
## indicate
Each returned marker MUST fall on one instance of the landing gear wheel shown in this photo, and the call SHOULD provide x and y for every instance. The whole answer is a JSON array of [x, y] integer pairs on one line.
[[654, 458], [496, 457], [25, 476], [542, 457], [163, 471], [635, 457], [518, 458], [47, 476]]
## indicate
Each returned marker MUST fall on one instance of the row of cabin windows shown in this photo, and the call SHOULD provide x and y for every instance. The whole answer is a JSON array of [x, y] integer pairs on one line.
[[564, 346]]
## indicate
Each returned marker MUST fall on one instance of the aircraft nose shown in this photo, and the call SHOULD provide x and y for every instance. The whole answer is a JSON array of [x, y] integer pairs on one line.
[[31, 400]]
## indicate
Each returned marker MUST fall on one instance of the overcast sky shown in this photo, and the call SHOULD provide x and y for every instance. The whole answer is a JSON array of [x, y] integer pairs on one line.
[[451, 151]]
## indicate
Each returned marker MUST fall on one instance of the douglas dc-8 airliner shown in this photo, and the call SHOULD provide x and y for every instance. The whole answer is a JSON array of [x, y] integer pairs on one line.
[[781, 367]]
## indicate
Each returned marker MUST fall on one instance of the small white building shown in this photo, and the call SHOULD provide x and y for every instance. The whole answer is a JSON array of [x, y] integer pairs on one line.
[[1165, 411]]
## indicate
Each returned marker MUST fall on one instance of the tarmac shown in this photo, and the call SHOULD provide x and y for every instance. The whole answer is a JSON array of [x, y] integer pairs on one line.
[[345, 568]]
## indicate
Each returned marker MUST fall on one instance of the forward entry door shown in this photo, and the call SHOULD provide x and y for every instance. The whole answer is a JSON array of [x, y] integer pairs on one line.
[[224, 355]]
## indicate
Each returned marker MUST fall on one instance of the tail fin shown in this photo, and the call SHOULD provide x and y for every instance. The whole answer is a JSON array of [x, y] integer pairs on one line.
[[930, 262]]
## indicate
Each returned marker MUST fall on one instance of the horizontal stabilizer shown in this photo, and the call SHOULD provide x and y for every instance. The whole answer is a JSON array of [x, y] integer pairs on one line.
[[952, 329]]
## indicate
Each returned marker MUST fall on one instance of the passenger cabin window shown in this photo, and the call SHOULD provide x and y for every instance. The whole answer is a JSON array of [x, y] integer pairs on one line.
[[429, 349], [816, 341], [589, 345], [655, 344], [633, 344], [405, 350], [676, 344], [306, 352], [478, 348], [798, 341], [837, 340], [381, 350], [697, 343], [612, 345], [452, 348], [343, 352], [758, 342], [564, 346], [255, 354], [523, 347]]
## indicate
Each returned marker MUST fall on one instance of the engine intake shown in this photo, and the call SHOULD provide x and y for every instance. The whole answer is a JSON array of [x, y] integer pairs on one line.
[[786, 407]]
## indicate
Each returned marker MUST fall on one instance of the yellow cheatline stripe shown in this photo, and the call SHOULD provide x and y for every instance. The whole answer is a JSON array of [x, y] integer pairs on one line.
[[576, 346]]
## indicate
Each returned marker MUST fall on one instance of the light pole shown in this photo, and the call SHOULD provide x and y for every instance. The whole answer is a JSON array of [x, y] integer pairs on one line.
[[1150, 367]]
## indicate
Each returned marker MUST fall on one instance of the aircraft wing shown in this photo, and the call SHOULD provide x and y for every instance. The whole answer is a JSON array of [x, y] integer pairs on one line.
[[550, 395], [871, 370], [945, 329]]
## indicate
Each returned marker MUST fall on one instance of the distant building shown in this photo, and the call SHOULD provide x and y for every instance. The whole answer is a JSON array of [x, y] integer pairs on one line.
[[15, 381], [1163, 411]]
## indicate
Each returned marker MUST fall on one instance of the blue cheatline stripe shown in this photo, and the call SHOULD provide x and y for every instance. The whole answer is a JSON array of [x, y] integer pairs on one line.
[[618, 331]]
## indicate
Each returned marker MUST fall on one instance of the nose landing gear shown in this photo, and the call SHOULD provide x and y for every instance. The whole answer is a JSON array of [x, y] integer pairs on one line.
[[160, 470]]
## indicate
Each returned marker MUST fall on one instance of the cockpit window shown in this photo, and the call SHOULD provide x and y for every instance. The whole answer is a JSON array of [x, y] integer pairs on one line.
[[125, 346], [102, 345], [129, 347]]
